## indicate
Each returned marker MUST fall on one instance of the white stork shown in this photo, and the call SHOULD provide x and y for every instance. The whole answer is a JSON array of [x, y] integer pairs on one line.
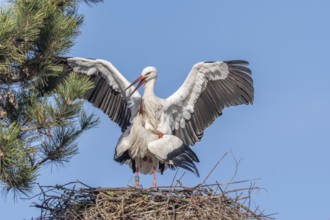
[[157, 133]]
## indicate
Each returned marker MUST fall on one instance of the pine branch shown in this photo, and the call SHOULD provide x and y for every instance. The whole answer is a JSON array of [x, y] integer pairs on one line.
[[88, 121], [47, 135], [31, 34], [41, 111], [60, 147], [15, 169]]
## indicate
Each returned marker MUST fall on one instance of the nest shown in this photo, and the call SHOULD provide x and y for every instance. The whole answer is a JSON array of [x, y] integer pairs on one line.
[[168, 202]]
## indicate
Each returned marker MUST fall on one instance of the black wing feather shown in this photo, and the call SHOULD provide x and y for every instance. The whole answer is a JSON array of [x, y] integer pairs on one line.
[[109, 101]]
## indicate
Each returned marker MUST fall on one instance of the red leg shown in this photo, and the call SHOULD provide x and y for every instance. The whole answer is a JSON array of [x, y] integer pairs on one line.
[[154, 183], [137, 177]]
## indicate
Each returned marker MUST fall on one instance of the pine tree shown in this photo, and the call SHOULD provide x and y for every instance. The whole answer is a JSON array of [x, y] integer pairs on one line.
[[41, 112]]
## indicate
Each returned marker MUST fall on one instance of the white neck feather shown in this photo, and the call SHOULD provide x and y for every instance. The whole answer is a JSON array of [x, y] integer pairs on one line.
[[149, 88]]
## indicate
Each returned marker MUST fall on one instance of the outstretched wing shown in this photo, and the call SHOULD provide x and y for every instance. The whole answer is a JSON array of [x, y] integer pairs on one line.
[[208, 89], [109, 93]]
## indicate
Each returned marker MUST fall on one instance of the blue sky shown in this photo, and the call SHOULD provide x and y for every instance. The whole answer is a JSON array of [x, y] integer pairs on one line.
[[283, 138]]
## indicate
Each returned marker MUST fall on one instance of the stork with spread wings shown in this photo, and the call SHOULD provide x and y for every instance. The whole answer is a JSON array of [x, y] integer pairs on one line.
[[157, 133]]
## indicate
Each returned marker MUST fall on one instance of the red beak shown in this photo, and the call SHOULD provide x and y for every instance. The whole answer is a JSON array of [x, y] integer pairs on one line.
[[141, 80]]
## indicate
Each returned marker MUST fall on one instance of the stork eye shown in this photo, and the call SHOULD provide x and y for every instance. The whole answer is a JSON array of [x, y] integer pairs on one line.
[[148, 74]]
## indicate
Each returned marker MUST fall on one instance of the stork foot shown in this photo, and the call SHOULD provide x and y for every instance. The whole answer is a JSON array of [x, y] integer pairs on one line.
[[160, 134]]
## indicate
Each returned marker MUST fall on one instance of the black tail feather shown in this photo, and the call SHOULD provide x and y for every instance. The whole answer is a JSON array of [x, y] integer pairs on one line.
[[122, 158], [185, 158]]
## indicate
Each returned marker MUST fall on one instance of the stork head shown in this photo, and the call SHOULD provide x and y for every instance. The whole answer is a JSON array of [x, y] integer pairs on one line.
[[147, 74]]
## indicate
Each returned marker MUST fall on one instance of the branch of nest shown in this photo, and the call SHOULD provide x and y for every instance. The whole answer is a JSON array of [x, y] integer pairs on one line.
[[207, 201], [76, 200]]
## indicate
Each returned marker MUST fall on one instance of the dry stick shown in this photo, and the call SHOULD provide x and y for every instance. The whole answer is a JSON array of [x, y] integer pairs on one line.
[[176, 172], [178, 181], [238, 182], [179, 198], [215, 166], [243, 207], [252, 185], [236, 168]]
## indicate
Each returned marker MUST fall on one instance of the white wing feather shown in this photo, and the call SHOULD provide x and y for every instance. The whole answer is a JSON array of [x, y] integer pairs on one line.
[[209, 87]]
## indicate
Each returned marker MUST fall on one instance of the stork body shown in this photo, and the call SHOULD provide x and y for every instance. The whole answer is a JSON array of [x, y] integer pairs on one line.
[[157, 133]]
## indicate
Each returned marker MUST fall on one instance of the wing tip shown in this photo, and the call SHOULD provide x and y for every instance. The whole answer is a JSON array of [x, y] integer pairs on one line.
[[230, 62], [239, 65], [237, 62]]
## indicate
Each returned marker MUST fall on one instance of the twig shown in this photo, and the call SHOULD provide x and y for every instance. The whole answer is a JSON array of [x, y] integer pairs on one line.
[[236, 167], [176, 172], [205, 201], [215, 166]]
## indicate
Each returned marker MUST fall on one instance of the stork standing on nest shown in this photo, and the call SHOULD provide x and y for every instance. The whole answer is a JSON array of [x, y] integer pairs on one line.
[[157, 133]]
